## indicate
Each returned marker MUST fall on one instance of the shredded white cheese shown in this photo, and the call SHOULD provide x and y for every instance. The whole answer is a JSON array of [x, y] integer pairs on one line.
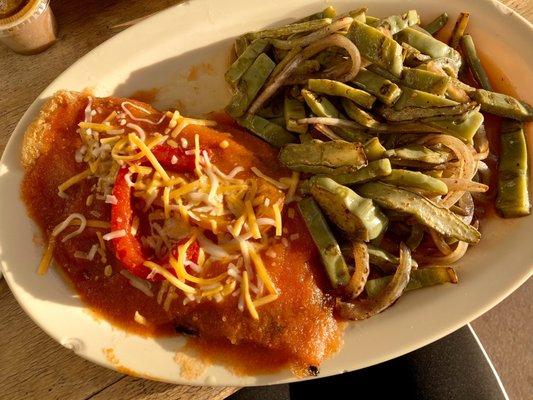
[[271, 253], [114, 234], [68, 221], [88, 110], [138, 283], [108, 271], [140, 319], [110, 199], [129, 114], [140, 131]]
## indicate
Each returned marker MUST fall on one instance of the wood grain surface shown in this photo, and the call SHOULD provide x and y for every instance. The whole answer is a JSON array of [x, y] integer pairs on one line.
[[33, 366]]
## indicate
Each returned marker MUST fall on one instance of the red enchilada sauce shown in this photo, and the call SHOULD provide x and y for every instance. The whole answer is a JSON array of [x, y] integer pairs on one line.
[[298, 330]]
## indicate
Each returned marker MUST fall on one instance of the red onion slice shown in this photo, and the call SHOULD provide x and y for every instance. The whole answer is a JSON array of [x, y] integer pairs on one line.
[[272, 85], [367, 308]]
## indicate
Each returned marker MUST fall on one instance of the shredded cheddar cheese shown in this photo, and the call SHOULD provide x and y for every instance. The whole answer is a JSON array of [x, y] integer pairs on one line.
[[140, 169], [112, 115], [74, 180], [183, 122], [149, 155], [197, 168], [96, 127], [172, 143], [212, 292], [189, 187], [265, 300], [237, 227], [252, 221], [93, 223], [293, 185], [166, 201], [202, 206], [47, 257], [169, 277], [247, 297], [184, 275], [111, 139], [262, 272], [174, 120], [229, 288]]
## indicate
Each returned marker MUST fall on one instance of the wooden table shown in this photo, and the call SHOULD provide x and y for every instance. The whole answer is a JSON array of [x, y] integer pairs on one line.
[[33, 366]]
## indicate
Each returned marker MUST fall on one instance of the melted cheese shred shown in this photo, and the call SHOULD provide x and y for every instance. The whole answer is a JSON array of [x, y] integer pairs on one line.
[[212, 292], [183, 122], [47, 257], [252, 221], [74, 180], [169, 277], [277, 219], [122, 145], [262, 272], [112, 115], [74, 219], [265, 300], [96, 127], [102, 247], [138, 283], [93, 223], [189, 187], [247, 297], [179, 266], [140, 319], [237, 226], [67, 222], [149, 155], [197, 168], [129, 113], [166, 201]]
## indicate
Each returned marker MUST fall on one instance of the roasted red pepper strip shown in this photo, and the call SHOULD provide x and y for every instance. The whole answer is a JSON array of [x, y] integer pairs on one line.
[[128, 249]]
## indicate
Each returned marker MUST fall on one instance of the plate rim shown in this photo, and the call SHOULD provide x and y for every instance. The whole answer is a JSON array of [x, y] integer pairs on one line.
[[32, 111]]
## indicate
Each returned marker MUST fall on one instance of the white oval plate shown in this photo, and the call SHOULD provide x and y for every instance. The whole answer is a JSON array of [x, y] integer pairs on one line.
[[160, 52]]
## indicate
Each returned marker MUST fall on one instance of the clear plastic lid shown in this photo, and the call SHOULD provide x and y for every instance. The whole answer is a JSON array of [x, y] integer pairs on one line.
[[27, 26], [11, 7]]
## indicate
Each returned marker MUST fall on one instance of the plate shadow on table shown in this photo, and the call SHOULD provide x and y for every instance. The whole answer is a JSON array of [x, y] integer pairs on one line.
[[453, 367]]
